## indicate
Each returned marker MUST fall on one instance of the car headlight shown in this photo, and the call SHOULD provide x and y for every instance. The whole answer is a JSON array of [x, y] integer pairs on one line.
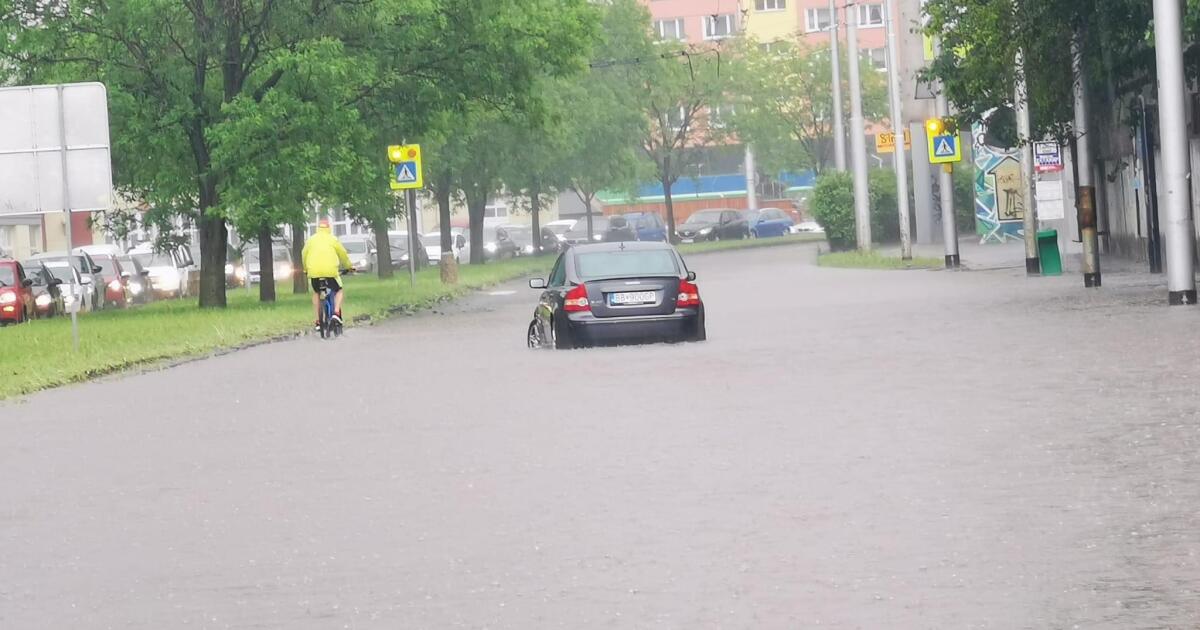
[[560, 237], [8, 298], [240, 273], [597, 237], [285, 270], [135, 288], [228, 269], [115, 285], [491, 247], [404, 258], [706, 230], [43, 300], [68, 300], [529, 249]]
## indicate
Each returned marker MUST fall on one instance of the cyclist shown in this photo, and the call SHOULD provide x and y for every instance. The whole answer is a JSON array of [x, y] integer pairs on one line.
[[324, 257]]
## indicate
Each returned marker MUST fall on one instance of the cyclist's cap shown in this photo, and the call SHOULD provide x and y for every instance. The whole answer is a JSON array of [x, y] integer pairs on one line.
[[323, 224]]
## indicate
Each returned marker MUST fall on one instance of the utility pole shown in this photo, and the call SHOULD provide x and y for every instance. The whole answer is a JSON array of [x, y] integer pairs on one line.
[[1168, 52], [858, 139], [839, 128], [413, 243], [1033, 264], [1085, 190], [76, 291], [946, 182], [901, 155]]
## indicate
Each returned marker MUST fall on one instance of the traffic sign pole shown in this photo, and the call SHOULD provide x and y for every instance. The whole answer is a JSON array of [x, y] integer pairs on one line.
[[946, 184], [66, 195], [411, 203]]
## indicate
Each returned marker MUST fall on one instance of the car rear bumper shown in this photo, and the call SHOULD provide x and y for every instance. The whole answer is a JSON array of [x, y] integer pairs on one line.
[[681, 325]]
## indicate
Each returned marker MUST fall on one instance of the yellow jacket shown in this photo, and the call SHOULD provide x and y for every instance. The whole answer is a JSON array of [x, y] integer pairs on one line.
[[322, 254]]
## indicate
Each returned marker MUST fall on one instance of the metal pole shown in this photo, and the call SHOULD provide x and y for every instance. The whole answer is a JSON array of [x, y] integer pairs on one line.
[[839, 129], [1150, 187], [411, 203], [1033, 264], [751, 180], [901, 155], [77, 292], [1085, 190], [858, 140], [1168, 52], [946, 183]]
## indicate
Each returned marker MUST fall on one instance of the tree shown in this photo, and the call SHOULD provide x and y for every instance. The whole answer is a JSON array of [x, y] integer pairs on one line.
[[783, 103]]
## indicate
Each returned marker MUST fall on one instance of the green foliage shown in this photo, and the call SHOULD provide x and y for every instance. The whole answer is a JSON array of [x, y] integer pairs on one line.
[[885, 210], [964, 197], [783, 103], [832, 205]]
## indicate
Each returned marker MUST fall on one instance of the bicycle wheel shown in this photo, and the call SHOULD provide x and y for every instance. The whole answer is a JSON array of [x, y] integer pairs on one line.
[[323, 316]]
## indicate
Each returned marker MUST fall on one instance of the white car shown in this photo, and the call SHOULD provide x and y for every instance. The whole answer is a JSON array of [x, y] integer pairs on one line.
[[361, 249], [168, 270], [807, 227]]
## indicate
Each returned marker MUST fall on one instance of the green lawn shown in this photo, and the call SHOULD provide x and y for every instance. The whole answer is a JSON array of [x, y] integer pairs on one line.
[[39, 355], [875, 260]]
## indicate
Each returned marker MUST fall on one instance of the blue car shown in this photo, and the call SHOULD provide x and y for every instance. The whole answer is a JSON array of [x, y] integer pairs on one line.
[[767, 222], [648, 226]]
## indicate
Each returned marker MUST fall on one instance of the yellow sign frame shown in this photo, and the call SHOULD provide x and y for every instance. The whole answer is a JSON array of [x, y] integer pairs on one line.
[[406, 156], [885, 141]]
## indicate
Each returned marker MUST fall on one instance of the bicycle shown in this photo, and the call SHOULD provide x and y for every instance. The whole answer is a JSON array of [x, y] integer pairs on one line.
[[329, 327]]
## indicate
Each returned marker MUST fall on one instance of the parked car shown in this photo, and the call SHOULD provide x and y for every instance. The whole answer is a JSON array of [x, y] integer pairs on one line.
[[513, 240], [713, 225], [612, 293], [112, 280], [558, 228], [767, 222], [48, 294], [168, 271], [361, 249], [281, 264], [619, 230], [16, 294], [647, 225], [71, 287], [433, 245], [137, 280], [399, 245], [578, 235], [92, 286]]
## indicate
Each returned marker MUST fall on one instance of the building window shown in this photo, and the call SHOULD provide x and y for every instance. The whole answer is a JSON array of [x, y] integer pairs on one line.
[[495, 210], [675, 118], [877, 57], [670, 29], [719, 116], [817, 20], [718, 26], [770, 5], [870, 15]]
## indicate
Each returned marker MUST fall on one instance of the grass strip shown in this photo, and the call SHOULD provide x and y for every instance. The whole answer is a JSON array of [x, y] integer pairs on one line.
[[875, 260]]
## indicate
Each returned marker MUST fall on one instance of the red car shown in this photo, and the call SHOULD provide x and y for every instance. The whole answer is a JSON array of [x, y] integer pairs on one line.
[[16, 294], [116, 291]]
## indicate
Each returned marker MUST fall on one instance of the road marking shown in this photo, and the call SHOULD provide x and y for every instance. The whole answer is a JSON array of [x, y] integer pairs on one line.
[[499, 293]]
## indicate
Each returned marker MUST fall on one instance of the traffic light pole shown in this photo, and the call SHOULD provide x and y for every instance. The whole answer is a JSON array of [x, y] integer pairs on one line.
[[946, 183]]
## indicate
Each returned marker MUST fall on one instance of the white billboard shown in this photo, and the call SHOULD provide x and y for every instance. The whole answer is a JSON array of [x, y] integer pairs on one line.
[[33, 121]]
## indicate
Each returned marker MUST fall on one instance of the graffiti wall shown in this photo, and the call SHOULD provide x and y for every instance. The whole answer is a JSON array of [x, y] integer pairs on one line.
[[999, 207]]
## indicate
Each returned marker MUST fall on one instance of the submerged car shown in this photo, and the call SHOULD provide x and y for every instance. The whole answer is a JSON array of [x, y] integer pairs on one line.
[[713, 225], [617, 293], [578, 235]]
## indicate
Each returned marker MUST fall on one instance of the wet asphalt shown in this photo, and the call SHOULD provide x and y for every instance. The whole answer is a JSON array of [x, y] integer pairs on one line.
[[850, 449]]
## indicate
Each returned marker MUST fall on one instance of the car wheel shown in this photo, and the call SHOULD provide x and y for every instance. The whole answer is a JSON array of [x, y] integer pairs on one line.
[[700, 333], [532, 339], [753, 234]]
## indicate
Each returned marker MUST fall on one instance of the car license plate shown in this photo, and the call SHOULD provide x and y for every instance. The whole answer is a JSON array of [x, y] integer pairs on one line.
[[635, 297], [685, 240]]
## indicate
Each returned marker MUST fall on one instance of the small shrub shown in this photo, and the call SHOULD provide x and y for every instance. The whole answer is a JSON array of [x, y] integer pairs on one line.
[[832, 205]]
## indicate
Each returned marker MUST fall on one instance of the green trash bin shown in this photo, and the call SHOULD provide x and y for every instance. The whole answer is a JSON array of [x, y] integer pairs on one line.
[[1051, 261]]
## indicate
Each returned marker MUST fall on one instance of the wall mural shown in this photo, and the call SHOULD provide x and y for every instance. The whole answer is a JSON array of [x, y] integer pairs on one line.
[[999, 207]]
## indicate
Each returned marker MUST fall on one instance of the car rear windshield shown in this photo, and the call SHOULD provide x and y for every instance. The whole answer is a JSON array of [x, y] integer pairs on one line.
[[356, 247], [154, 260], [7, 277], [626, 264], [106, 265], [599, 224], [59, 269]]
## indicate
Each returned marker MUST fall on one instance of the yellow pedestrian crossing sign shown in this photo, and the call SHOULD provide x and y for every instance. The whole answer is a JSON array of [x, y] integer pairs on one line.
[[944, 149], [406, 166]]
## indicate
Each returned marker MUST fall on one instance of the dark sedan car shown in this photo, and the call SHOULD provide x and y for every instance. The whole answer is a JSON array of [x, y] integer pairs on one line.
[[713, 225], [578, 235], [613, 293]]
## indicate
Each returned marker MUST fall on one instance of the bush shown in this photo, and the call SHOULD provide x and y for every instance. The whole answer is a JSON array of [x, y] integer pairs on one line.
[[832, 206]]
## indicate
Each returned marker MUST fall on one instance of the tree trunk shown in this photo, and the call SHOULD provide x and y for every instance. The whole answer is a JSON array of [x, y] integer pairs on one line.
[[299, 280], [443, 201], [588, 215], [535, 208], [674, 238], [383, 249], [266, 265], [475, 208], [214, 240]]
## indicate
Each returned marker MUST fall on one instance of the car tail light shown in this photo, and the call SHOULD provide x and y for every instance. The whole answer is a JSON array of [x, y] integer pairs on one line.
[[577, 299], [689, 294]]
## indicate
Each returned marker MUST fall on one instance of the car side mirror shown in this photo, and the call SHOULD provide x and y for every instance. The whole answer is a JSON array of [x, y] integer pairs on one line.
[[97, 269], [27, 282], [85, 280], [145, 272], [537, 283], [54, 282], [126, 275], [691, 277]]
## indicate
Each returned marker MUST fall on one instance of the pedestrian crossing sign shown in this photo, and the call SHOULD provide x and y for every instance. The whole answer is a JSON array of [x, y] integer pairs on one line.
[[944, 149], [406, 166]]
